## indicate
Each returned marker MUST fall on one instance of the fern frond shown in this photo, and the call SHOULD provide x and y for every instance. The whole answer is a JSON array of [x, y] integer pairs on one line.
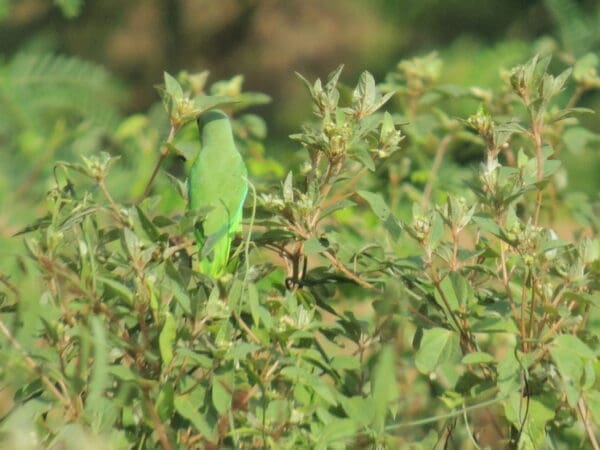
[[36, 88]]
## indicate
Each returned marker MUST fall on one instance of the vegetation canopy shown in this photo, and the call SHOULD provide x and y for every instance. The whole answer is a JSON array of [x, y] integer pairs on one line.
[[404, 281]]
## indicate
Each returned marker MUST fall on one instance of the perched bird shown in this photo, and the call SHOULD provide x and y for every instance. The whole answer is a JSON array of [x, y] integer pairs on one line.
[[217, 184]]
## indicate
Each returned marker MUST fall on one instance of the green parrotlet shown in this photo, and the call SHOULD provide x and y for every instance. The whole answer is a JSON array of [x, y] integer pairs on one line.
[[217, 182]]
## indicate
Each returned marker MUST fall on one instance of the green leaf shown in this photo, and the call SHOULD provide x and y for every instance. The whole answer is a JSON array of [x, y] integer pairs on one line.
[[195, 357], [531, 416], [576, 345], [165, 402], [495, 324], [336, 432], [365, 90], [361, 154], [387, 124], [313, 245], [149, 228], [592, 398], [175, 284], [360, 409], [167, 338], [123, 373], [247, 99], [478, 358], [336, 207], [278, 412], [385, 386], [560, 80], [172, 87], [509, 373], [100, 379], [568, 112], [551, 166], [221, 395], [344, 362], [206, 102], [288, 188], [253, 302], [382, 101], [438, 345], [382, 211], [116, 288], [303, 376], [568, 353], [333, 78], [241, 350], [186, 409], [456, 291]]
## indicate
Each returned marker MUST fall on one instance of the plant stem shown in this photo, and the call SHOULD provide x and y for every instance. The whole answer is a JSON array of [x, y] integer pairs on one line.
[[464, 336], [354, 277], [163, 154], [523, 313], [159, 426], [587, 423], [111, 201], [536, 134], [439, 155], [506, 282], [34, 366]]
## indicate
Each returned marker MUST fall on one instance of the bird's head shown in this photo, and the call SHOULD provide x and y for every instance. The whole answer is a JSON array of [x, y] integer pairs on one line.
[[210, 116]]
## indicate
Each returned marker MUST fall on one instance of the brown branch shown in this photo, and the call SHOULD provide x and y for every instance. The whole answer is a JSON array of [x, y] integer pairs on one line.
[[246, 328], [353, 276]]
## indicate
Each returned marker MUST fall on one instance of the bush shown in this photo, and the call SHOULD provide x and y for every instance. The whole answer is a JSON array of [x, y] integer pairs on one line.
[[381, 295]]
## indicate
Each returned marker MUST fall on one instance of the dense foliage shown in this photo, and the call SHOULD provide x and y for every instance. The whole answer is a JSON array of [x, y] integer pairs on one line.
[[382, 295]]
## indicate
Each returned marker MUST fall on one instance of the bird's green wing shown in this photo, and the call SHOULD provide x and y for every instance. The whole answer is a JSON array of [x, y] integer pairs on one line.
[[217, 182]]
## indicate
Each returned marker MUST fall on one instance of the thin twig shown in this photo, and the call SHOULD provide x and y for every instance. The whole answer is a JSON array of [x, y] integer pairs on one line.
[[163, 154], [506, 282], [559, 322], [111, 201], [347, 191], [354, 277], [246, 328], [4, 279], [453, 413], [437, 162], [523, 317], [159, 426], [587, 423], [34, 366], [536, 135], [469, 432]]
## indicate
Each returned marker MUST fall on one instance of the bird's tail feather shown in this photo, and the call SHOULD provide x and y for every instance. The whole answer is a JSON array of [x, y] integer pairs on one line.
[[213, 252]]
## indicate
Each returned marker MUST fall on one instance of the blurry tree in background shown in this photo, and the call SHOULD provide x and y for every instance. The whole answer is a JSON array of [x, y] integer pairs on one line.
[[267, 39]]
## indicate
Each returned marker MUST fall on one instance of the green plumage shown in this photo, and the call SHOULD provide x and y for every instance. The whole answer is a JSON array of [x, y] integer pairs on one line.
[[217, 182]]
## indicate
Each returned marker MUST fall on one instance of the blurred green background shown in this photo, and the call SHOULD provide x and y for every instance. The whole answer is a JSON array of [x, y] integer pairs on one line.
[[267, 40], [59, 109]]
